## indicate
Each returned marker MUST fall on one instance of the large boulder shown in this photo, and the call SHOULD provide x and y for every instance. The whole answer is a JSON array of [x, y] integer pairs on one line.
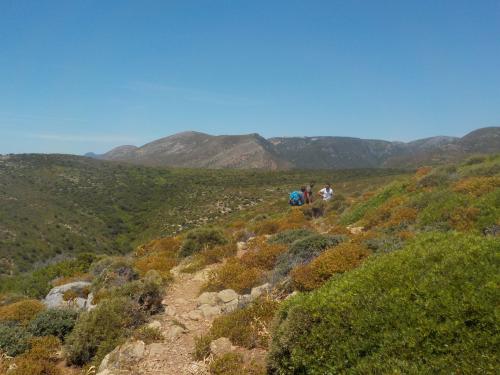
[[79, 292], [227, 295], [123, 357]]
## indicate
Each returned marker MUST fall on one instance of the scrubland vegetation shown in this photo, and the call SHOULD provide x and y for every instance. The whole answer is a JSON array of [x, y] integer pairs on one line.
[[395, 276]]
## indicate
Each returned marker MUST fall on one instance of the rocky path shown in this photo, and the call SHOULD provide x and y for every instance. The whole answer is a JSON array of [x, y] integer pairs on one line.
[[181, 323]]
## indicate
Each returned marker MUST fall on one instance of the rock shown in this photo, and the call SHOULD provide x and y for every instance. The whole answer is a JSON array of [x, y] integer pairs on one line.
[[355, 230], [208, 298], [170, 311], [195, 315], [123, 356], [174, 332], [241, 246], [230, 306], [180, 301], [227, 295], [221, 346], [155, 324], [55, 297], [244, 300], [210, 311], [259, 290], [157, 349]]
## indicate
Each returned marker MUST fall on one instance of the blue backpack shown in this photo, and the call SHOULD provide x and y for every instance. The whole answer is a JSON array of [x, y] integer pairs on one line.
[[296, 199]]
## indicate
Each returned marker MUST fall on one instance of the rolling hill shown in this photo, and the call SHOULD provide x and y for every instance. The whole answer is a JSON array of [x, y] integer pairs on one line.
[[198, 150], [54, 206]]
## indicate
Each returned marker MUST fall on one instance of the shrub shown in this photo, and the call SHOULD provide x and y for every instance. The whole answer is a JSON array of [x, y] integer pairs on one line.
[[168, 246], [227, 364], [148, 334], [14, 339], [201, 238], [269, 226], [21, 312], [371, 203], [289, 236], [145, 295], [248, 327], [53, 322], [477, 186], [303, 251], [339, 259], [234, 275], [262, 255], [40, 359], [100, 330], [159, 262], [218, 253], [430, 308], [202, 347], [234, 364], [113, 272]]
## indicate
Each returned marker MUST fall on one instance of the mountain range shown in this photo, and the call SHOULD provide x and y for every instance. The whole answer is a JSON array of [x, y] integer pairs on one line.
[[198, 150]]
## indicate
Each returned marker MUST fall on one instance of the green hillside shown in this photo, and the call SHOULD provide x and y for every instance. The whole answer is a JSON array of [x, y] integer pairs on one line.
[[55, 205], [396, 274]]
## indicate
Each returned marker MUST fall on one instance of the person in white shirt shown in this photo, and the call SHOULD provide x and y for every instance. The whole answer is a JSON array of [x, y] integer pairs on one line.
[[326, 193]]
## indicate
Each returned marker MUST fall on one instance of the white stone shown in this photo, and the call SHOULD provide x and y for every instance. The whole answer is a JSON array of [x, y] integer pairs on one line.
[[241, 246], [55, 297], [210, 311], [208, 298], [155, 324], [174, 332], [170, 311], [227, 295], [195, 315]]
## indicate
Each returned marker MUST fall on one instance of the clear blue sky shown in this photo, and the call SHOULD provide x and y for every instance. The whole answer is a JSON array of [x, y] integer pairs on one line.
[[87, 75]]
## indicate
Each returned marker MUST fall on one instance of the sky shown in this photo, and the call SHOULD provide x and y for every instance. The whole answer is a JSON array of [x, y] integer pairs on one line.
[[87, 75]]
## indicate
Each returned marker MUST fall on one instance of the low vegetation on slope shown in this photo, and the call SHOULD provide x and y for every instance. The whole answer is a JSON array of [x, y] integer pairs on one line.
[[428, 308], [395, 279], [56, 206]]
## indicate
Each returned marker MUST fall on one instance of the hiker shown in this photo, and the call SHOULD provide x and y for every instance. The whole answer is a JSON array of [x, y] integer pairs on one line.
[[308, 195], [296, 198], [326, 193]]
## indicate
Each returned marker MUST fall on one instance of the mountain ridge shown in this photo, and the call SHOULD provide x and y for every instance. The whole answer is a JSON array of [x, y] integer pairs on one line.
[[192, 149]]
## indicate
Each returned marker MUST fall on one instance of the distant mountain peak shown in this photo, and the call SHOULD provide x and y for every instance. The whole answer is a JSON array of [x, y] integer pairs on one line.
[[200, 150]]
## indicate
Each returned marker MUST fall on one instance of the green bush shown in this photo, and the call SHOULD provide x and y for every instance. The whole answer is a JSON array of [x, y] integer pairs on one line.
[[14, 339], [289, 236], [146, 295], [227, 364], [53, 322], [429, 308], [100, 330], [201, 238], [246, 327], [112, 272], [303, 251]]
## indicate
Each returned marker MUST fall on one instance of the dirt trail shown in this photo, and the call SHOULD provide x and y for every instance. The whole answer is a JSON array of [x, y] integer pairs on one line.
[[174, 355]]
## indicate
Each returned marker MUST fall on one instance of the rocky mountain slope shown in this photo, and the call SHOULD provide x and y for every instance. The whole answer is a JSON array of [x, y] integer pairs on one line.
[[193, 149]]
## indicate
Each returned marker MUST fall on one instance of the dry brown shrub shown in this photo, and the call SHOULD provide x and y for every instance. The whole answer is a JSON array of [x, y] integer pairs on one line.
[[464, 218], [161, 262], [169, 245], [234, 275], [218, 253], [262, 255], [477, 186], [69, 279], [41, 359], [392, 213], [338, 259], [22, 311]]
